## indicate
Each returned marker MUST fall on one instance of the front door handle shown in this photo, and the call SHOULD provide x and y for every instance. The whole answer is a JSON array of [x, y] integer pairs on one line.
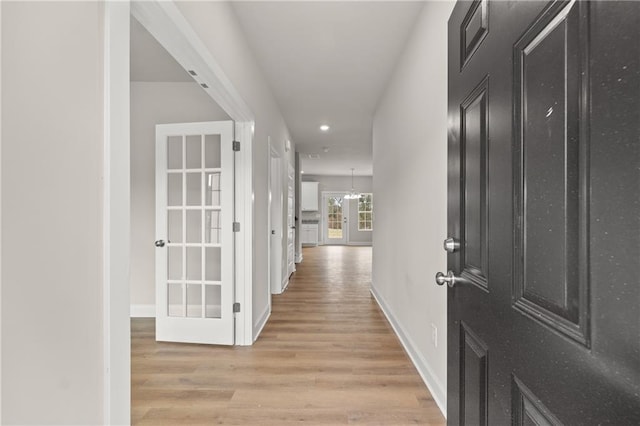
[[450, 279], [159, 243]]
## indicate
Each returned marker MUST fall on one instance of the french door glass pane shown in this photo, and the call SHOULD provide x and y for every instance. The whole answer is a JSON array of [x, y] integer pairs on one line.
[[194, 194], [174, 263], [174, 152], [174, 299], [194, 152], [194, 263], [334, 219], [174, 189], [212, 195], [194, 226], [174, 226], [212, 227], [212, 151], [213, 301], [213, 270], [194, 300]]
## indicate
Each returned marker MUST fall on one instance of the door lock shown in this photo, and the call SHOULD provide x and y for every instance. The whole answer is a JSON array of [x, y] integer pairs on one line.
[[451, 244], [160, 243]]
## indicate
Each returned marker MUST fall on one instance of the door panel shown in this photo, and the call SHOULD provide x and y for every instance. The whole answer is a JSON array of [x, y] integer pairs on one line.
[[543, 196], [473, 378], [551, 172], [474, 143], [194, 216]]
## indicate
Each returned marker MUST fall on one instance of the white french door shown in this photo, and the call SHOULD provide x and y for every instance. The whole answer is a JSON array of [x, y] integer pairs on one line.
[[335, 218], [194, 227]]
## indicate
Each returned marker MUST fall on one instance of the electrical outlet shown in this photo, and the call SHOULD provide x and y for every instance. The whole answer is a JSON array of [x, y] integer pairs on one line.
[[434, 335]]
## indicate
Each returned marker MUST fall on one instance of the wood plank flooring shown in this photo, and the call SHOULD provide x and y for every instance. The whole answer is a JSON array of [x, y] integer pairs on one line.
[[326, 357]]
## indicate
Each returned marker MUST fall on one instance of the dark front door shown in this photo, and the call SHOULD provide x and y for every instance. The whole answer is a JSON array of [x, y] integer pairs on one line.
[[544, 212]]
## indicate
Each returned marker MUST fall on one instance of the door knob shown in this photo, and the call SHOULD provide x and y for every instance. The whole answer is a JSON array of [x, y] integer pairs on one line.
[[451, 244], [159, 243], [448, 279]]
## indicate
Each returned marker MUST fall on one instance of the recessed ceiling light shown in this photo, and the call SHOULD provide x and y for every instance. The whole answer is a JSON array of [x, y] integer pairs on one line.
[[324, 128], [301, 171]]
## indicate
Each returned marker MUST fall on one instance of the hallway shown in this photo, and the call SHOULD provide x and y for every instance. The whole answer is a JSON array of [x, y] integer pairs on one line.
[[327, 356]]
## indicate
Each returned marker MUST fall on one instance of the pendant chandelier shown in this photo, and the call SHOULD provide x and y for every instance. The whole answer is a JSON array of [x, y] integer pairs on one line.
[[353, 195]]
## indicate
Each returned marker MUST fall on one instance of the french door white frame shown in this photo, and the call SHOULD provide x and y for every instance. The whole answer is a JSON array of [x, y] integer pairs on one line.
[[325, 220], [165, 22]]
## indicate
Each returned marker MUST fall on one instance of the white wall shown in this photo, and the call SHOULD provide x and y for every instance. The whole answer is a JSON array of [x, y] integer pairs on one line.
[[52, 153], [216, 24], [155, 103], [343, 184], [410, 190]]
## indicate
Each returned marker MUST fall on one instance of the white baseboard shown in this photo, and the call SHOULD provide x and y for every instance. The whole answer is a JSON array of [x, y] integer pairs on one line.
[[359, 243], [142, 311], [436, 388], [262, 321], [299, 258]]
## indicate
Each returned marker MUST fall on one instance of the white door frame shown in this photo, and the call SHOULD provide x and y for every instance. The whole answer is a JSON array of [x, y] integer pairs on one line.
[[345, 215], [275, 196], [0, 208], [165, 22]]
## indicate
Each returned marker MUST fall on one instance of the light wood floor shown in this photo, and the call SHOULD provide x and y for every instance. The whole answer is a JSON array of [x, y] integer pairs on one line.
[[326, 357]]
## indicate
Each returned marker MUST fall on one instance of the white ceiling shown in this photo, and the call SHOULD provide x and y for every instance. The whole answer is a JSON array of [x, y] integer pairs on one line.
[[327, 62]]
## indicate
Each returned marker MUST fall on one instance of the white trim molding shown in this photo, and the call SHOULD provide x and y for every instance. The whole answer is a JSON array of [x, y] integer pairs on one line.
[[244, 208], [260, 324], [0, 214], [438, 391]]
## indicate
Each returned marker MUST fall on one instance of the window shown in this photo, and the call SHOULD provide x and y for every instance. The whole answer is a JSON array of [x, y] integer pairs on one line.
[[365, 212]]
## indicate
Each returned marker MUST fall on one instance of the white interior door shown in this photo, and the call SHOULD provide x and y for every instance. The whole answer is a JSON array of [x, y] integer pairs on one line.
[[194, 227], [335, 218], [275, 238], [291, 224]]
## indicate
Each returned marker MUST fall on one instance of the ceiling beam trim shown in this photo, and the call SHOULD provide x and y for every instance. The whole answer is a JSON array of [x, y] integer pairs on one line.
[[164, 21]]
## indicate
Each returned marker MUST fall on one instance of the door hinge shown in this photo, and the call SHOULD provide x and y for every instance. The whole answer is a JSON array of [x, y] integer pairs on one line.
[[236, 307], [236, 145], [236, 226]]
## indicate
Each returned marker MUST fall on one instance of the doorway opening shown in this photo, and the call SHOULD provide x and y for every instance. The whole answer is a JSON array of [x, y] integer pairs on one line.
[[167, 26]]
